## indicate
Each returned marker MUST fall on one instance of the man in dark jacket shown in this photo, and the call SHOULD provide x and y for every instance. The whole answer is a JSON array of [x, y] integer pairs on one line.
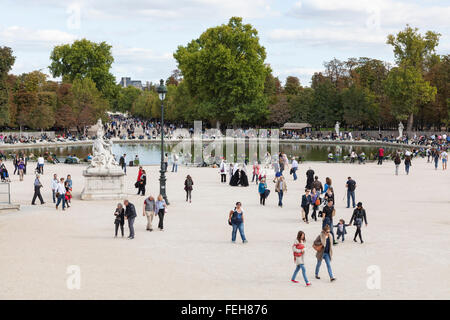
[[359, 215], [328, 213], [130, 215], [351, 186], [123, 163]]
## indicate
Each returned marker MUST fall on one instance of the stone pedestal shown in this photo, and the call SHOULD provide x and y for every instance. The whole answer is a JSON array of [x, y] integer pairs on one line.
[[103, 184]]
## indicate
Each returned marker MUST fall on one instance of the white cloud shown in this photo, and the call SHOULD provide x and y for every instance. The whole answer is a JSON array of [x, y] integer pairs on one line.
[[25, 36]]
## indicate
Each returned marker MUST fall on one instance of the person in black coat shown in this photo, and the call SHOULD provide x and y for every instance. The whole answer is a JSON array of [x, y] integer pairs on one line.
[[120, 218], [309, 178], [234, 181], [142, 182], [359, 216], [130, 215]]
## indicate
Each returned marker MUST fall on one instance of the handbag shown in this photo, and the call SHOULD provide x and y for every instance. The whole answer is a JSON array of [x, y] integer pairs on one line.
[[317, 203], [136, 185]]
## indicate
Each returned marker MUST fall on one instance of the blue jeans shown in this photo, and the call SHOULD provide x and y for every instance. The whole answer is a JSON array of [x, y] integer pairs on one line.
[[174, 167], [297, 269], [407, 168], [237, 226], [54, 196], [325, 257], [294, 173], [62, 198], [350, 194], [280, 198]]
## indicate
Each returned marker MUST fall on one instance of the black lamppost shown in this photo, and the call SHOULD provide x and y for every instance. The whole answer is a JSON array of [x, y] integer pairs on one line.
[[162, 90]]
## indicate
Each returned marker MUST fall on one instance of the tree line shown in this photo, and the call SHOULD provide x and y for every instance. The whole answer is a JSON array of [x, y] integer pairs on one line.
[[222, 77]]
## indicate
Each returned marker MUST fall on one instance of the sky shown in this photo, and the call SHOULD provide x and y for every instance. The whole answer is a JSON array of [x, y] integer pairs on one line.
[[299, 35]]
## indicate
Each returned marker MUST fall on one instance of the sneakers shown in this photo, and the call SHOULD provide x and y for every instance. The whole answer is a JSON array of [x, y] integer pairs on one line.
[[308, 284], [332, 279], [294, 281], [317, 277], [245, 241]]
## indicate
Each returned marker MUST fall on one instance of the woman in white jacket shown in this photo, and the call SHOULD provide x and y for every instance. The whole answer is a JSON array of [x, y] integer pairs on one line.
[[298, 249]]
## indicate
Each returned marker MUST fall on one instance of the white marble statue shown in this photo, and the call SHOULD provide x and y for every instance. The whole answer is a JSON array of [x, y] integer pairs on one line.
[[336, 128], [102, 156], [400, 130]]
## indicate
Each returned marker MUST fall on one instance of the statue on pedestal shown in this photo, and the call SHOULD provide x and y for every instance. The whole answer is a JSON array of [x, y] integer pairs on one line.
[[102, 151], [336, 128], [400, 130]]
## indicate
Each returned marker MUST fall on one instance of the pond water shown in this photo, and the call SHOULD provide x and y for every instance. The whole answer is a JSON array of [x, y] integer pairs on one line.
[[149, 153]]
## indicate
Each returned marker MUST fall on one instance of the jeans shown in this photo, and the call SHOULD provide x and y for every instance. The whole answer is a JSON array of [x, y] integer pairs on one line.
[[396, 169], [407, 168], [294, 173], [188, 195], [306, 211], [262, 199], [54, 196], [237, 226], [327, 259], [350, 194], [339, 234], [174, 167], [297, 269], [124, 168], [131, 227], [62, 198], [280, 198], [41, 168]]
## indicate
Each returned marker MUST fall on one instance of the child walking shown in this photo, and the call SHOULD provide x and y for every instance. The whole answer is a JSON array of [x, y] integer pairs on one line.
[[299, 252], [341, 231]]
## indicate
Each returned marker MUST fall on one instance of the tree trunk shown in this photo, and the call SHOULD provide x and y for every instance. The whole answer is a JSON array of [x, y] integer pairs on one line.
[[410, 123]]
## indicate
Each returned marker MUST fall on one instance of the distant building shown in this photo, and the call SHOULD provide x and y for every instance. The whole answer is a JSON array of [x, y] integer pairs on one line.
[[126, 82]]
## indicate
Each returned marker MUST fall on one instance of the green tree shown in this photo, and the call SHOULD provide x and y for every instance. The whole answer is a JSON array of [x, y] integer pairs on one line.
[[84, 59], [411, 51], [126, 98], [407, 90], [360, 107], [301, 106], [144, 105], [292, 86], [225, 73], [6, 62], [88, 103]]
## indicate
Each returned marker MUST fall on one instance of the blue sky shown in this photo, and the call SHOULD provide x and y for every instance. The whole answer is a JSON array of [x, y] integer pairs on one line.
[[298, 35]]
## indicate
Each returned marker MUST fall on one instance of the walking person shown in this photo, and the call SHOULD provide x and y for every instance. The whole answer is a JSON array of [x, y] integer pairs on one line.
[[315, 202], [324, 249], [142, 183], [280, 188], [397, 162], [188, 183], [359, 216], [306, 201], [68, 194], [130, 215], [262, 191], [21, 168], [341, 229], [54, 186], [327, 215], [407, 163], [380, 156], [294, 168], [161, 209], [123, 163], [236, 220], [40, 162], [16, 164], [327, 184], [351, 186], [223, 172], [317, 185], [436, 159], [166, 162], [61, 194], [149, 210], [255, 172], [119, 220], [299, 252], [309, 178], [174, 162], [37, 190], [444, 157]]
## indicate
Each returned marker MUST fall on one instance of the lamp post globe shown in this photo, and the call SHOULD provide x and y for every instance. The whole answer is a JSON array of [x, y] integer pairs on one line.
[[162, 90]]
